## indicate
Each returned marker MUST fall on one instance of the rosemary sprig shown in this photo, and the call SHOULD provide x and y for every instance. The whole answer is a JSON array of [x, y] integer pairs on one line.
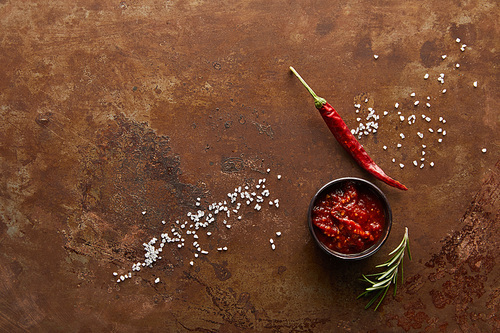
[[380, 282]]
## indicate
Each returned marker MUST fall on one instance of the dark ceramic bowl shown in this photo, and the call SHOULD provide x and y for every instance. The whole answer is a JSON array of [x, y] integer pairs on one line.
[[365, 185]]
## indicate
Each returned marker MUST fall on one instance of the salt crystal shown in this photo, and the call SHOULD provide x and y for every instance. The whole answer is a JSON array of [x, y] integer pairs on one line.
[[444, 56], [278, 233], [483, 150], [375, 56], [474, 84], [401, 165], [457, 40], [396, 105], [444, 91], [426, 76]]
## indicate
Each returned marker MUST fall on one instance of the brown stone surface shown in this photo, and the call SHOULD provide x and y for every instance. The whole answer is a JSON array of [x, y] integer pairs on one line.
[[110, 109]]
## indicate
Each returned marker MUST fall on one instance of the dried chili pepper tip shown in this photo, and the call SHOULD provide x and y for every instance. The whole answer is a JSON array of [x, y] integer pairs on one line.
[[318, 101]]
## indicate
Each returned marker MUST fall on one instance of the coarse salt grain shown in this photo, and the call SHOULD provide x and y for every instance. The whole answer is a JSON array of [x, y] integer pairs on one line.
[[431, 164], [375, 56], [401, 165], [483, 150], [426, 76], [474, 84], [157, 280], [396, 105], [444, 56], [444, 91], [457, 65], [278, 233], [457, 40]]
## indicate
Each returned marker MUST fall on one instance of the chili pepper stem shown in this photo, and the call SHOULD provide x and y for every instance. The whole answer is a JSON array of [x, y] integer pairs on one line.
[[318, 101]]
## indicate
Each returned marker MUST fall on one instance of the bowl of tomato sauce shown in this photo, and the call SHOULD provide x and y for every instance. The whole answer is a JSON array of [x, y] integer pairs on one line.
[[350, 218]]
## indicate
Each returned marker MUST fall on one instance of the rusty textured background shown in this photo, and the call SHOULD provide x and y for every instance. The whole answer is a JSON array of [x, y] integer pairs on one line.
[[113, 108]]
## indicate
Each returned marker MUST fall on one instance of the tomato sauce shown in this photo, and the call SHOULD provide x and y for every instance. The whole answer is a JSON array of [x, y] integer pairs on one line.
[[349, 219]]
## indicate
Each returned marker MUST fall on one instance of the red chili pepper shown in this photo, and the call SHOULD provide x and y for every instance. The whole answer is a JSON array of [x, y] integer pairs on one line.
[[344, 136]]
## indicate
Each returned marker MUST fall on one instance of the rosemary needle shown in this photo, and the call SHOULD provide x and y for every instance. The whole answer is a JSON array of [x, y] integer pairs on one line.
[[381, 282]]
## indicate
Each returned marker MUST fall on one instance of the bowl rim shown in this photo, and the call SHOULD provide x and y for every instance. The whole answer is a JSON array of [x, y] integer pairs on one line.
[[372, 249]]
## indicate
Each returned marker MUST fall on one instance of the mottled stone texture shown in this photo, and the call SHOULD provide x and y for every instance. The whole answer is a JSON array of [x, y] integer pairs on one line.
[[117, 115]]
